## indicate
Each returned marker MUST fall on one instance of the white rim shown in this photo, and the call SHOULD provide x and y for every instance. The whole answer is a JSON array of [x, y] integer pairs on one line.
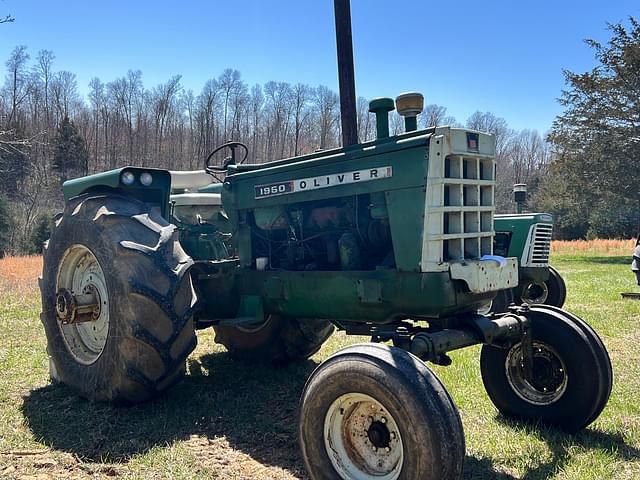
[[549, 375], [535, 293], [79, 272], [362, 439]]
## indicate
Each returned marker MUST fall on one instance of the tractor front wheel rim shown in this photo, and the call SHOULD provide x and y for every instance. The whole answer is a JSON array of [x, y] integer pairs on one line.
[[362, 439], [535, 293], [549, 378]]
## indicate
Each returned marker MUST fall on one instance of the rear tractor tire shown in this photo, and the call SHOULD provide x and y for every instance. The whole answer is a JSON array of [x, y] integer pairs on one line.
[[278, 340], [377, 412], [117, 300], [571, 376]]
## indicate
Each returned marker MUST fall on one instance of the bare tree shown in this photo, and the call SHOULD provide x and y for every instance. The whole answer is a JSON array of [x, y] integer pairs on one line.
[[44, 70], [17, 81], [302, 95], [65, 93], [163, 101], [328, 111], [366, 120]]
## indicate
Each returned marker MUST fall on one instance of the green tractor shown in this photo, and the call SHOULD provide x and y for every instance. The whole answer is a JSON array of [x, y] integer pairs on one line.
[[527, 236], [392, 239]]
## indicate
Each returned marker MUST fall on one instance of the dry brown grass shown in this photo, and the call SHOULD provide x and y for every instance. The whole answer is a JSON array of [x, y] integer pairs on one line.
[[16, 270], [601, 247], [20, 274]]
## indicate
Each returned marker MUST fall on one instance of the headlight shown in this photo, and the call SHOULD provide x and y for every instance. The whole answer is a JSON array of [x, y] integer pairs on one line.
[[128, 178], [146, 179]]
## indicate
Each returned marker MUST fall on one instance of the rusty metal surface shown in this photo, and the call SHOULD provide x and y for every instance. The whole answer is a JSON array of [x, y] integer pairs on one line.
[[84, 307]]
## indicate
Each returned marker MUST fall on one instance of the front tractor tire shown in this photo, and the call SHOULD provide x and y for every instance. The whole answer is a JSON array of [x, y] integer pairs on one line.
[[557, 289], [553, 291], [377, 412], [277, 340], [571, 375], [499, 304], [124, 260]]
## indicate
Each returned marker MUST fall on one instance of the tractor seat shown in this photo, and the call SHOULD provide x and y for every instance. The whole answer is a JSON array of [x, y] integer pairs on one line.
[[194, 208], [196, 199], [190, 180]]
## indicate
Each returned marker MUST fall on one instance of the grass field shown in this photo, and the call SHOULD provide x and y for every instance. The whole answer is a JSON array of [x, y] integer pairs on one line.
[[227, 420]]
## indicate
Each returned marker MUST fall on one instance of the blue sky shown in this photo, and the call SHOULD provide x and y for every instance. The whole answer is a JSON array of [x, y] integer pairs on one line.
[[503, 56]]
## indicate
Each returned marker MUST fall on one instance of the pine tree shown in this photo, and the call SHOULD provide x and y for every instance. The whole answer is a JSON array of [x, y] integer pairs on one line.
[[597, 138], [5, 227], [40, 234], [15, 162], [70, 158]]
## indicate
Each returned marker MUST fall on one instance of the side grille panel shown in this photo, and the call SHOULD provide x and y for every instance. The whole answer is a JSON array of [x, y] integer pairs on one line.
[[540, 247]]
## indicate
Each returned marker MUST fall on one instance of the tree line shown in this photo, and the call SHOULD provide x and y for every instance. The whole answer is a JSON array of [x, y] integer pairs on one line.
[[49, 132], [593, 184]]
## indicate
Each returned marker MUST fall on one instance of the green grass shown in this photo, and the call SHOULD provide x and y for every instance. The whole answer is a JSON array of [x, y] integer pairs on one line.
[[227, 420]]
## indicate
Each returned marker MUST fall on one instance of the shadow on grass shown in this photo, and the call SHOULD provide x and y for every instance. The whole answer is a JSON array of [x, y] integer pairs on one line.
[[253, 407], [561, 443], [613, 260]]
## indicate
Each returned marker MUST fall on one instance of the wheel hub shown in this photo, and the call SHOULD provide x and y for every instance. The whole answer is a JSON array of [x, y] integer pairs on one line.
[[547, 374], [535, 293], [548, 379], [379, 434], [72, 308]]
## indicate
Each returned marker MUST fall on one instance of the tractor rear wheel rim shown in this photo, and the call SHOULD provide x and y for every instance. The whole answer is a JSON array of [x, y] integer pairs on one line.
[[535, 293], [549, 375], [79, 272], [362, 439]]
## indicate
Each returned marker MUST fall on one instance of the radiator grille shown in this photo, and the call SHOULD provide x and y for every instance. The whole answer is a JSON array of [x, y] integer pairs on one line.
[[460, 206], [467, 207], [540, 246]]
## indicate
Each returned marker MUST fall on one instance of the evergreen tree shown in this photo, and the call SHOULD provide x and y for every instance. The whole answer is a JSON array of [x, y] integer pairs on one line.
[[40, 234], [14, 161], [597, 138], [5, 227], [70, 157]]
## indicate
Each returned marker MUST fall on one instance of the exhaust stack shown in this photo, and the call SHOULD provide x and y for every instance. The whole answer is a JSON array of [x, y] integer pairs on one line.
[[346, 75]]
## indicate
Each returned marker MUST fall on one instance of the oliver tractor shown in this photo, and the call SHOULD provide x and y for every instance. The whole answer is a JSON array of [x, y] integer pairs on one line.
[[392, 239], [527, 236]]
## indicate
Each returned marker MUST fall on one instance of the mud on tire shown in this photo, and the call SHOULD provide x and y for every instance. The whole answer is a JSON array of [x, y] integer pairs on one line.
[[150, 299], [372, 395]]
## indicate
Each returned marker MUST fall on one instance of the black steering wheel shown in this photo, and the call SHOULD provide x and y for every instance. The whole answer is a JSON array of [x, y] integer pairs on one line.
[[228, 161]]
